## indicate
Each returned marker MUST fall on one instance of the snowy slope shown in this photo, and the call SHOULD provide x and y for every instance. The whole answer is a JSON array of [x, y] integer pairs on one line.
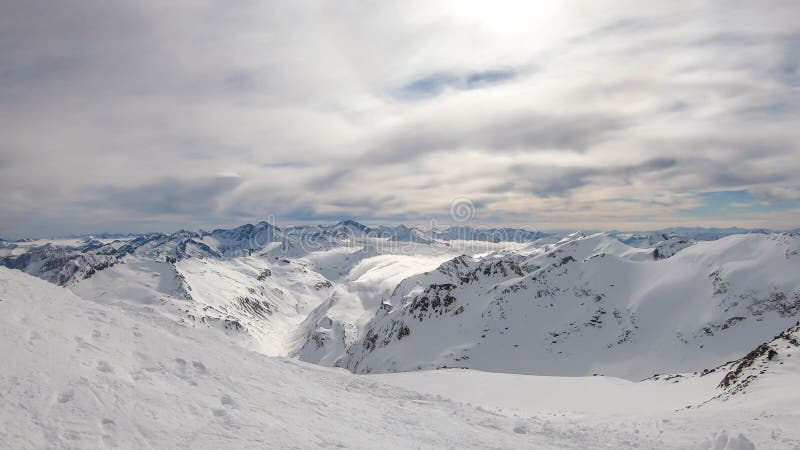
[[759, 377], [257, 301], [588, 304], [81, 374], [85, 374], [267, 300]]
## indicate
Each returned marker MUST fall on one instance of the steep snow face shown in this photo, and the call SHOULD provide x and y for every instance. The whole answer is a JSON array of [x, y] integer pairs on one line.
[[364, 275], [265, 301], [260, 303], [761, 377], [332, 328], [763, 373], [588, 305], [134, 280]]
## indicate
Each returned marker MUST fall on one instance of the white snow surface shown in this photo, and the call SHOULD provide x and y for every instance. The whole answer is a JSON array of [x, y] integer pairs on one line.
[[79, 373], [221, 340]]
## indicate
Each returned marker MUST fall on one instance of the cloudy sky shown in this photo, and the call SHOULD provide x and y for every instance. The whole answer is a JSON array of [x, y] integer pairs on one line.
[[136, 116]]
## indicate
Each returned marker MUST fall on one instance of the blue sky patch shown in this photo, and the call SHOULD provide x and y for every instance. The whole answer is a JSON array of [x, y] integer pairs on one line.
[[725, 203], [434, 84]]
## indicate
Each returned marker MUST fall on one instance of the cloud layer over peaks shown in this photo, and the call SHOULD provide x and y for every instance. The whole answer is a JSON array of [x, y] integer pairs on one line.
[[134, 116]]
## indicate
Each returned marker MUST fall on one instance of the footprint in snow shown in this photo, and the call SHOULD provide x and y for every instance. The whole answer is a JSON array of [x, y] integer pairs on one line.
[[81, 344], [187, 372], [199, 367], [108, 427], [33, 336], [227, 401], [180, 364], [105, 367], [66, 396]]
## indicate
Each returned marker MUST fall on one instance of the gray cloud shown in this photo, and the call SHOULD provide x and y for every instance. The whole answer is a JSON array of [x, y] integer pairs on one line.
[[196, 113], [169, 196], [555, 182], [515, 131]]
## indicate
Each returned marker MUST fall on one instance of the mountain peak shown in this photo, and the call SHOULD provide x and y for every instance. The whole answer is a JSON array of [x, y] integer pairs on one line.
[[352, 224]]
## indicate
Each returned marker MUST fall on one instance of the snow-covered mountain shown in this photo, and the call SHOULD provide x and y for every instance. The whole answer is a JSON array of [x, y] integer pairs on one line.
[[588, 305], [91, 373], [347, 295], [702, 307]]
